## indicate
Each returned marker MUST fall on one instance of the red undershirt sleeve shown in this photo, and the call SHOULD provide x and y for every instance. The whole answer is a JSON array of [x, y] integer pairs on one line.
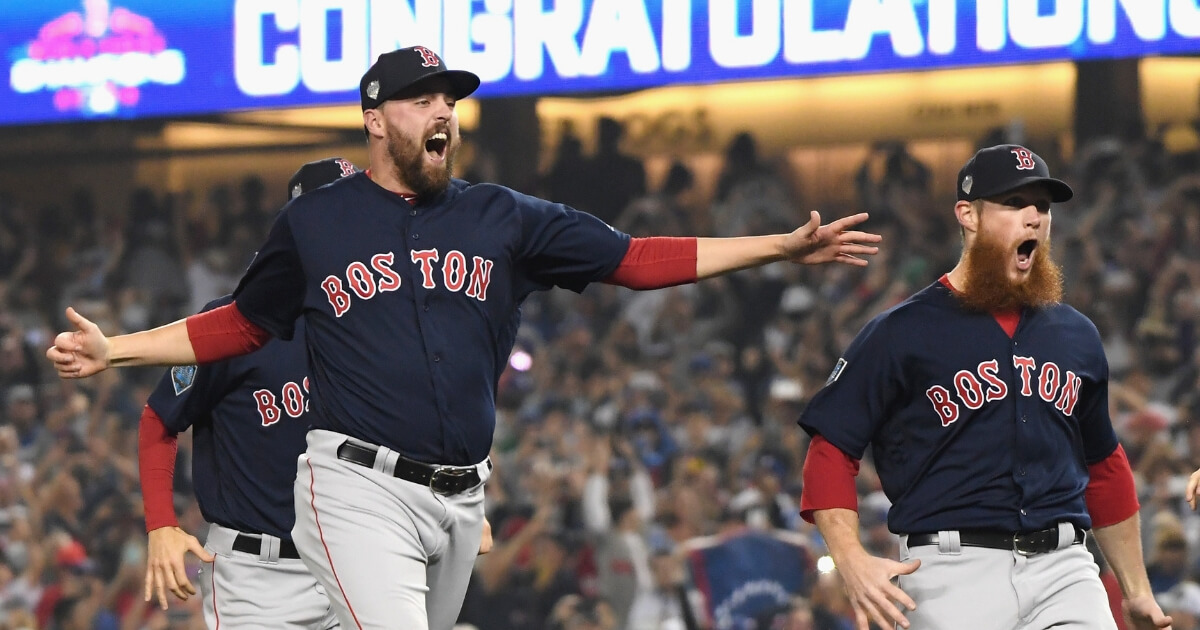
[[656, 262], [223, 333], [1110, 494], [156, 469], [828, 479]]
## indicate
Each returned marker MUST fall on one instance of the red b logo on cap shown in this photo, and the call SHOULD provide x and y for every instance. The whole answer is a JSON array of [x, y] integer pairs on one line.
[[1024, 159], [429, 58]]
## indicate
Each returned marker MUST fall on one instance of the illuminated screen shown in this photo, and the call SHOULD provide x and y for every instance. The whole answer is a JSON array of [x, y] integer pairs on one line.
[[70, 60]]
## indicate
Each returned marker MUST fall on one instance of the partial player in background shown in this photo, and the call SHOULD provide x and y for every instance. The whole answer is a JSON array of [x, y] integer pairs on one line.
[[1192, 492], [409, 283], [984, 399], [247, 416]]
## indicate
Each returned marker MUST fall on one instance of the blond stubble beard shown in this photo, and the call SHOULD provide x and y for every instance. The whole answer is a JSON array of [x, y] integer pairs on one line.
[[989, 288]]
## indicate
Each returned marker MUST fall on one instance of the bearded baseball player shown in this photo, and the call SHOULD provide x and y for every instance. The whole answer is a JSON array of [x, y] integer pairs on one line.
[[248, 419], [409, 283], [985, 401]]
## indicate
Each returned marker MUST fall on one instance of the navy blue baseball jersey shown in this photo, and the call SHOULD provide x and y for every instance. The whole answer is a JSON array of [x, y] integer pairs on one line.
[[247, 416], [970, 428], [411, 311]]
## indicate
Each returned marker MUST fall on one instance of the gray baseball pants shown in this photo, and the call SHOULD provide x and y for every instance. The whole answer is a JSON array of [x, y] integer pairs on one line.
[[960, 587], [390, 553]]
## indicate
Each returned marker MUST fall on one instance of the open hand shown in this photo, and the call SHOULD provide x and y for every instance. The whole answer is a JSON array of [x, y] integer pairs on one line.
[[868, 582], [165, 566], [813, 243]]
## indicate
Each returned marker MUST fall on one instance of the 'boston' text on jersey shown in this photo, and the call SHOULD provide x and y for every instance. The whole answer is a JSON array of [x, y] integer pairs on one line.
[[363, 283], [292, 399], [973, 389]]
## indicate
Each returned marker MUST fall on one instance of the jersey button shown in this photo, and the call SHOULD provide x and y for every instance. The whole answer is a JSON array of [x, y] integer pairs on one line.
[[413, 212], [426, 308], [437, 358], [1023, 512], [416, 236]]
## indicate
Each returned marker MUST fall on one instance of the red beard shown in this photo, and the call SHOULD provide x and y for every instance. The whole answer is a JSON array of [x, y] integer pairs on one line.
[[989, 288]]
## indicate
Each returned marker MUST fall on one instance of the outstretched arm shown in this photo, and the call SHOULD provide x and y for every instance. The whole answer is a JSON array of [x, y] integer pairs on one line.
[[86, 351], [810, 244], [658, 262], [202, 338]]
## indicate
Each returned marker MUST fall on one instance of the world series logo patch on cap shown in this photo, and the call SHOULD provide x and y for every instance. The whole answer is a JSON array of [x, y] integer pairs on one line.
[[182, 377], [968, 181], [373, 89]]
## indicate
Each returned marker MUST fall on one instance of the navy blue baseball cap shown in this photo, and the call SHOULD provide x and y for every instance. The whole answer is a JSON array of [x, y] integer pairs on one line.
[[1002, 168], [396, 71], [315, 174]]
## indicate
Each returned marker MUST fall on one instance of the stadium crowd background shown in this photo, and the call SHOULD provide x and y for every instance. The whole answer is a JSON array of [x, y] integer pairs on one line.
[[628, 423]]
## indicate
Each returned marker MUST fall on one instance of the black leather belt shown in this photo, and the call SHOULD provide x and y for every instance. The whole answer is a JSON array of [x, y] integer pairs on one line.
[[1024, 543], [440, 479], [247, 543]]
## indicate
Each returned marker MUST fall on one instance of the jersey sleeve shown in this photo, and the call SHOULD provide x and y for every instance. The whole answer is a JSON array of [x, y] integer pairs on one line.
[[853, 403], [187, 393], [1095, 425], [157, 448], [561, 246], [1111, 494], [271, 293]]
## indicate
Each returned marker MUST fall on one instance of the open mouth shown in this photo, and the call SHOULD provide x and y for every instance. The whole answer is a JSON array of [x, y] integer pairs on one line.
[[436, 145], [1025, 253]]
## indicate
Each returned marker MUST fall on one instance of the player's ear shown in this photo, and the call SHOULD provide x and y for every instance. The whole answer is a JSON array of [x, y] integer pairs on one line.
[[373, 123], [967, 213]]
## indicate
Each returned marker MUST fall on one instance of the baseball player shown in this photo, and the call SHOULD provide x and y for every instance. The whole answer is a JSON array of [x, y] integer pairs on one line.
[[985, 401], [409, 283], [249, 420]]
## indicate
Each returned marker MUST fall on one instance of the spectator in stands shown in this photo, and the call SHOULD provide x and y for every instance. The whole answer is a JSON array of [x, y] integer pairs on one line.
[[672, 603], [614, 178], [750, 194], [615, 522], [567, 179], [21, 413], [891, 183], [1167, 563], [583, 613], [1182, 603], [526, 573]]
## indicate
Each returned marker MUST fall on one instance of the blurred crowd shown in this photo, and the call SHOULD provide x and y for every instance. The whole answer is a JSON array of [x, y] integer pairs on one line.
[[637, 432]]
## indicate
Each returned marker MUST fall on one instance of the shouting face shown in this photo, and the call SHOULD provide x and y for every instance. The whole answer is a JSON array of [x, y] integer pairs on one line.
[[1008, 261], [421, 136]]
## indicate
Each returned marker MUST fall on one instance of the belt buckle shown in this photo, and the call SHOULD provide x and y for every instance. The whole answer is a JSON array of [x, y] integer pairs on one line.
[[1029, 548], [452, 474]]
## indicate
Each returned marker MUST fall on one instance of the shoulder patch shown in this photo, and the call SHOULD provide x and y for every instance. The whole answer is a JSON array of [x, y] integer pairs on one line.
[[837, 371], [182, 377]]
